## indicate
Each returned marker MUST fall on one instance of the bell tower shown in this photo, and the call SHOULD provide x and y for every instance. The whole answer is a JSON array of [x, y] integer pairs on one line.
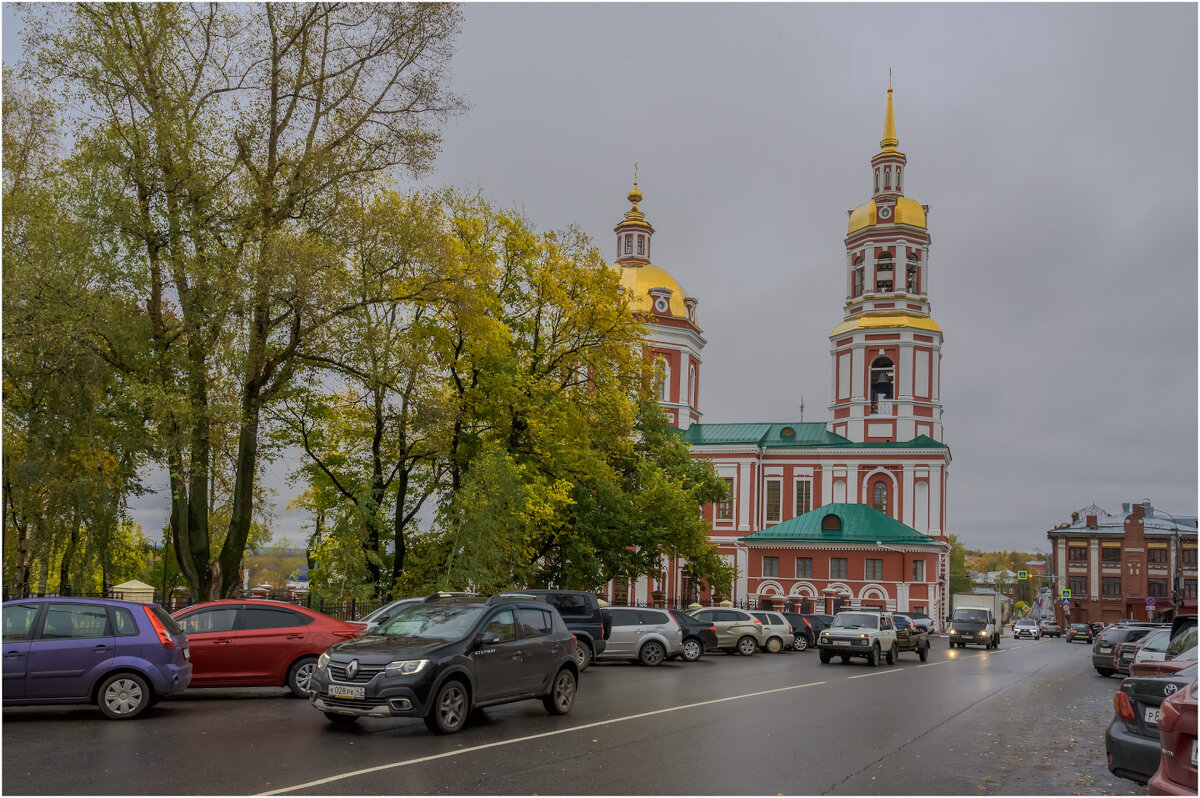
[[887, 349]]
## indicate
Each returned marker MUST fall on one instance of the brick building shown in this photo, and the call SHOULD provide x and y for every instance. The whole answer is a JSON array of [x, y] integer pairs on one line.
[[1114, 565]]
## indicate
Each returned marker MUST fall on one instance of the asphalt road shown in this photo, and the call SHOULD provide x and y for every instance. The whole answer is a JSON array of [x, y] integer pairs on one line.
[[1027, 719]]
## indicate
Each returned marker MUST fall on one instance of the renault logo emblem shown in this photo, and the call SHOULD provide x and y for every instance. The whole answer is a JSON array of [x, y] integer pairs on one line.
[[1170, 689], [352, 669]]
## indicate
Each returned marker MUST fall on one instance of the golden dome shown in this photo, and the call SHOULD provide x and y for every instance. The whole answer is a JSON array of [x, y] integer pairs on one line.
[[908, 211], [638, 280], [870, 321]]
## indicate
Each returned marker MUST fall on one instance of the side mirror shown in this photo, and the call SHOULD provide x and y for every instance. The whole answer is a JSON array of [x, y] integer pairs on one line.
[[485, 639]]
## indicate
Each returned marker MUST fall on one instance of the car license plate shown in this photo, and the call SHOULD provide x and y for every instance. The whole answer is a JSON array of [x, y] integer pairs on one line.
[[1193, 752], [1105, 649], [338, 691], [1153, 714], [841, 642], [187, 653]]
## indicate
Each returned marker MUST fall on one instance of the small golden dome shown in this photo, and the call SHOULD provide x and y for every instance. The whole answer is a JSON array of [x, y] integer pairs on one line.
[[638, 280], [875, 321], [634, 196], [908, 211]]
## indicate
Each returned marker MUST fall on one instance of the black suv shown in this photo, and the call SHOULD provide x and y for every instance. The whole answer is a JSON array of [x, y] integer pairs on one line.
[[447, 655], [581, 612]]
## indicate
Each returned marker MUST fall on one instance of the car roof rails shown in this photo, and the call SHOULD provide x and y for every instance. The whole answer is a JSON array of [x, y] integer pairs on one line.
[[514, 596], [445, 594]]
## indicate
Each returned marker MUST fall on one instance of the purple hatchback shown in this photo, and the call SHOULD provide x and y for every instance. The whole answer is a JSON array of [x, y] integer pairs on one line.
[[122, 656]]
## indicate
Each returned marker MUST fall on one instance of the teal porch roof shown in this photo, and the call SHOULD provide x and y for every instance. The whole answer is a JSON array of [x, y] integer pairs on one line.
[[860, 523]]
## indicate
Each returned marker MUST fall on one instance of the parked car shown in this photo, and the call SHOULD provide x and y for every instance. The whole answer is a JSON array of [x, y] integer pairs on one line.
[[1080, 631], [910, 637], [1131, 741], [922, 622], [448, 655], [644, 635], [859, 633], [1176, 774], [1103, 649], [777, 631], [258, 643], [804, 636], [1151, 648], [1051, 629], [374, 620], [122, 656], [699, 638], [1181, 652], [1027, 627], [737, 630], [580, 611]]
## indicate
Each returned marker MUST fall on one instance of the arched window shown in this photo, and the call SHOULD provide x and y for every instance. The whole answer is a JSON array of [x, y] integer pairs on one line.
[[692, 386], [913, 277], [628, 244], [887, 178], [876, 179], [898, 178], [883, 273], [641, 244], [879, 496], [882, 381], [664, 378], [856, 285], [831, 523]]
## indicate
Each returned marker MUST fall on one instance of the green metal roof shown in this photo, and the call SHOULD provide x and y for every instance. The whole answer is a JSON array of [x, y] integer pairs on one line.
[[861, 523], [805, 434]]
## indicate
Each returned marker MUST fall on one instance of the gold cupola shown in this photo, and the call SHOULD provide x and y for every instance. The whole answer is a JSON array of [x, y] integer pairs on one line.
[[633, 232], [888, 205]]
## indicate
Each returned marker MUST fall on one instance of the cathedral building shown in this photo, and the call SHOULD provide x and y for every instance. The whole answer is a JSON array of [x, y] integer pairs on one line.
[[847, 512]]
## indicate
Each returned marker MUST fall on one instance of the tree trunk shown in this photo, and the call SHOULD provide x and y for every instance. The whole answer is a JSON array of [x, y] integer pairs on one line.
[[230, 558], [64, 568]]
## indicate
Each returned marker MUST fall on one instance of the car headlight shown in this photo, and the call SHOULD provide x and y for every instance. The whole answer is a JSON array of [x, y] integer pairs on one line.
[[824, 634], [405, 667], [322, 660], [953, 631], [864, 637]]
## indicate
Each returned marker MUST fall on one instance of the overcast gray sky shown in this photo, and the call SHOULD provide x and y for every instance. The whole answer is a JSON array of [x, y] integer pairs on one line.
[[1055, 144]]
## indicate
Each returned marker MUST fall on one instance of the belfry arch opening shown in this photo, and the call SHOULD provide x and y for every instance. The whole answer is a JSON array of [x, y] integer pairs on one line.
[[883, 379]]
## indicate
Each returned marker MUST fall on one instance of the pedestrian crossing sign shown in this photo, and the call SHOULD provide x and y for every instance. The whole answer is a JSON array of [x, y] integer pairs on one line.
[[1022, 574], [1066, 593]]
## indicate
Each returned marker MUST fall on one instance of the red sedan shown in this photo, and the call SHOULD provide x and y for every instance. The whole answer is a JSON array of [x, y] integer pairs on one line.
[[1177, 739], [254, 643]]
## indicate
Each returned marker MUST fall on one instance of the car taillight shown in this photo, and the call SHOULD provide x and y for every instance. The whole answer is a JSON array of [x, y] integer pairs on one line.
[[346, 634], [164, 636], [757, 621], [1169, 717], [790, 629], [1123, 708], [806, 623], [712, 628]]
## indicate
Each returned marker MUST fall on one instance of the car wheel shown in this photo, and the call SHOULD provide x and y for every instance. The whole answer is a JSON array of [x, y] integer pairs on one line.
[[341, 720], [746, 646], [873, 657], [824, 657], [652, 653], [893, 654], [1106, 672], [692, 650], [923, 653], [123, 696], [774, 645], [450, 708], [299, 678], [583, 656], [562, 694], [800, 643]]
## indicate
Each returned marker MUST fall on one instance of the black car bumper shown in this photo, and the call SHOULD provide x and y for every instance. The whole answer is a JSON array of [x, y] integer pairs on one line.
[[398, 702], [1130, 756]]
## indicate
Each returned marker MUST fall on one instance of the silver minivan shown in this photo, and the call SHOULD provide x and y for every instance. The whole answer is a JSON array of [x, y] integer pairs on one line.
[[642, 634], [777, 632]]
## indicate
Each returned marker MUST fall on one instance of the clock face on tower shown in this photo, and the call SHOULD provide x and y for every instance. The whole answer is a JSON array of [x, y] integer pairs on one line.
[[661, 305], [885, 213]]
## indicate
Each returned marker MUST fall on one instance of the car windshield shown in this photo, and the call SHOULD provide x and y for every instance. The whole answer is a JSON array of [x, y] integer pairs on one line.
[[437, 621], [1080, 627], [386, 609], [1024, 622], [1184, 640], [967, 614], [855, 620]]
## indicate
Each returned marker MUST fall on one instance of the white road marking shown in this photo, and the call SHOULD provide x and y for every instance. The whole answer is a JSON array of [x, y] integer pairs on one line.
[[877, 673], [498, 743]]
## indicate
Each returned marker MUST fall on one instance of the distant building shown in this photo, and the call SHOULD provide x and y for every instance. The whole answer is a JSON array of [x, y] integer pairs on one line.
[[1139, 564]]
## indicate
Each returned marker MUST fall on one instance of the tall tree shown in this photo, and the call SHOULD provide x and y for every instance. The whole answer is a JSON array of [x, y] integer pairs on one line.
[[217, 142]]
